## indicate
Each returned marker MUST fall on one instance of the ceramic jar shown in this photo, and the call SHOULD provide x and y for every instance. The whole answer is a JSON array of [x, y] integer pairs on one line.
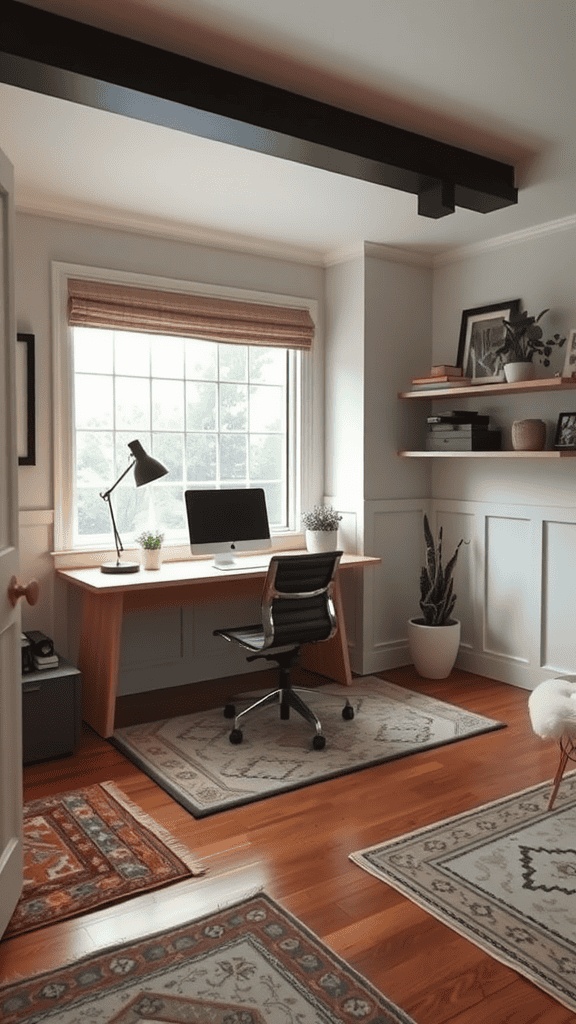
[[528, 435]]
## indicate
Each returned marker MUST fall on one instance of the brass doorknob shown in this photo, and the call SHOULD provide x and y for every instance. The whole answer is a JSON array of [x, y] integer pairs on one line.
[[16, 591]]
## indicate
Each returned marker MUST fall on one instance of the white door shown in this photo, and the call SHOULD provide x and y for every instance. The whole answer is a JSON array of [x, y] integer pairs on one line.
[[10, 687]]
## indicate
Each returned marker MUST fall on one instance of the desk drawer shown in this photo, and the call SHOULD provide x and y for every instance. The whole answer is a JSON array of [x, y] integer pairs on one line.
[[50, 716]]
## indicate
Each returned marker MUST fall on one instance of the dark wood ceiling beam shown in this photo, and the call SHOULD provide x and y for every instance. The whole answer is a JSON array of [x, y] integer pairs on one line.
[[50, 54]]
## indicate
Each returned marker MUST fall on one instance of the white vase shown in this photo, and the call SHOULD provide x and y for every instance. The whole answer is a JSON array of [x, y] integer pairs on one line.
[[151, 558], [515, 372], [321, 540], [433, 648]]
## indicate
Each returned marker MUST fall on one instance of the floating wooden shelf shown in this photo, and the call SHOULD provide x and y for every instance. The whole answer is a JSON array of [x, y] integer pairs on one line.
[[472, 390], [488, 455]]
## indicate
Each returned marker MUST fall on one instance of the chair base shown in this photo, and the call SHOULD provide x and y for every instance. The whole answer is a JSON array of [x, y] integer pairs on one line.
[[287, 698]]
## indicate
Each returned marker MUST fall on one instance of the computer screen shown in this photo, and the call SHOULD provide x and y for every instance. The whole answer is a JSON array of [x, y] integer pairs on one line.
[[225, 522]]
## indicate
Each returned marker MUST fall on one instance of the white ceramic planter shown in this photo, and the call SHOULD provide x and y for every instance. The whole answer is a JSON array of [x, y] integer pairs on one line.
[[152, 558], [433, 648], [515, 372], [321, 540]]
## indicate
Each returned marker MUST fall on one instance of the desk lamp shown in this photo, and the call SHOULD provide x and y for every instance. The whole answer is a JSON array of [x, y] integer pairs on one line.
[[146, 469]]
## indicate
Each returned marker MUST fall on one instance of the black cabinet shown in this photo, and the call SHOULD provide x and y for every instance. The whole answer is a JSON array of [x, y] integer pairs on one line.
[[51, 712]]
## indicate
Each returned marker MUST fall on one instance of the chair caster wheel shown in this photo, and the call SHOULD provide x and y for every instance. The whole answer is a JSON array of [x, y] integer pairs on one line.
[[319, 742], [347, 712], [236, 736], [229, 711]]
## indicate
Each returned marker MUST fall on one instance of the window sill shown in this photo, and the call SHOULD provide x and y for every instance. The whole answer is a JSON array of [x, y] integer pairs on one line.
[[85, 558]]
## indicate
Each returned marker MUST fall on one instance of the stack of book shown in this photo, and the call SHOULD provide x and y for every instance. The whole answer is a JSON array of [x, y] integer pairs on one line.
[[40, 650], [461, 432], [441, 377]]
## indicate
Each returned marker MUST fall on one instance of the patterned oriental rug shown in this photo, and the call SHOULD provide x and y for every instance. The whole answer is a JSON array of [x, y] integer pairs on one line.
[[192, 758], [89, 848], [503, 876], [249, 964]]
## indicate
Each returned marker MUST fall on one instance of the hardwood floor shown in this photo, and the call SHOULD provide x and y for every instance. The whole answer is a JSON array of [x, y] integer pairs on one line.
[[296, 846]]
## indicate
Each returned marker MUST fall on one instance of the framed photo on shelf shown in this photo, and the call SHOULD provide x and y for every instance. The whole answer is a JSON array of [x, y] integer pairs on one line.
[[26, 400], [565, 431], [570, 361], [481, 335]]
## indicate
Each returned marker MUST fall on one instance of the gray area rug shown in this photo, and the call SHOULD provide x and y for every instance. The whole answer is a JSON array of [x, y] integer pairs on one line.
[[192, 758], [503, 876]]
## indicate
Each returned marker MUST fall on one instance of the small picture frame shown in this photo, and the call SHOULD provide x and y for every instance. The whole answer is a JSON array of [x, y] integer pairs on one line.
[[570, 360], [482, 333], [565, 439]]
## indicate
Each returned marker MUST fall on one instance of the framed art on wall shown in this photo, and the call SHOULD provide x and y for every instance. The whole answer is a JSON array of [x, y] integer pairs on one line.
[[25, 400], [570, 361], [481, 335]]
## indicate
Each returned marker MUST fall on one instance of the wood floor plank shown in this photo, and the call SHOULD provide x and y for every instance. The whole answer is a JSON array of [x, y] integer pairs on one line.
[[296, 845]]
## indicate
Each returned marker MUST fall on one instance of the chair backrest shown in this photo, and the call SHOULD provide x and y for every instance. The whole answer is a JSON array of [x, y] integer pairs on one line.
[[297, 603]]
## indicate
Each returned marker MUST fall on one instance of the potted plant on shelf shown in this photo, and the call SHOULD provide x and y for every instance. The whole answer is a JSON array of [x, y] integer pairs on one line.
[[522, 342], [151, 543], [434, 637], [321, 525]]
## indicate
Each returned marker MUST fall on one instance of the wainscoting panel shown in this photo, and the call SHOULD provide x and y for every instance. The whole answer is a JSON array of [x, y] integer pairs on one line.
[[508, 563], [559, 587]]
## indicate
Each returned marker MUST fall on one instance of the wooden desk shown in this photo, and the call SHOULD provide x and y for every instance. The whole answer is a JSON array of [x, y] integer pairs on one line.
[[105, 599]]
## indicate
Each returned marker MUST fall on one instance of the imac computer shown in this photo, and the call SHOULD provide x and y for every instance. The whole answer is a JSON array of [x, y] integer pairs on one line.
[[225, 522]]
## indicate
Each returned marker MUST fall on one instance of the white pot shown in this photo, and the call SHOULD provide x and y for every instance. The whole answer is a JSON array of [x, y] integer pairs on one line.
[[433, 648], [321, 540], [515, 372], [151, 558]]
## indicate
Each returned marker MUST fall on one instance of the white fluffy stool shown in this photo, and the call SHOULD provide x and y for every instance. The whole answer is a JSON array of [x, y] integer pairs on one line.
[[552, 707]]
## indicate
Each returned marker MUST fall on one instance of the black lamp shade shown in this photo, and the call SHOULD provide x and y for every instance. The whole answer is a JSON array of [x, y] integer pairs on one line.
[[146, 468]]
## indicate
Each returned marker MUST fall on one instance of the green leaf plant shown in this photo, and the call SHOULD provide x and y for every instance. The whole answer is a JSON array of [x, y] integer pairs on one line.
[[523, 340], [437, 597]]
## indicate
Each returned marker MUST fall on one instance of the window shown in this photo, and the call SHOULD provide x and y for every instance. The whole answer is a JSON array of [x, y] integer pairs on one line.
[[216, 415], [215, 412]]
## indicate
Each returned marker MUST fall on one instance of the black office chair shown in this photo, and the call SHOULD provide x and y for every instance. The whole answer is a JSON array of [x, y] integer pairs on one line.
[[297, 608]]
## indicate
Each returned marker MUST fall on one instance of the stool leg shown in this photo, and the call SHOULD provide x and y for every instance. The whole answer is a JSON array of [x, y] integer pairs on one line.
[[565, 753]]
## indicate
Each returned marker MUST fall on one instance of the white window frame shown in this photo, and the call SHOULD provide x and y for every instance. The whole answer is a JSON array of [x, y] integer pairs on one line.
[[307, 461]]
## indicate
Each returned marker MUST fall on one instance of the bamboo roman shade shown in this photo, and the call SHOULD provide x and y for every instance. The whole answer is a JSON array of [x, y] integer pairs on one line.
[[126, 308]]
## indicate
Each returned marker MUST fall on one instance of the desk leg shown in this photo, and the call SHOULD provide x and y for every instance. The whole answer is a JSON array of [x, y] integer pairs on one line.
[[331, 658], [99, 658]]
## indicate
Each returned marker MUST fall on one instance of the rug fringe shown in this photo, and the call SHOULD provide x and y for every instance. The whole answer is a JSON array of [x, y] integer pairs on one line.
[[177, 848]]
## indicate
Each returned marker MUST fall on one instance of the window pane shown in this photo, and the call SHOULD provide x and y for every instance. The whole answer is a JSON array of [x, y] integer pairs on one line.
[[233, 407], [170, 511], [167, 357], [266, 408], [275, 504], [93, 350], [201, 406], [95, 458], [167, 405], [132, 354], [92, 513], [169, 450], [200, 458], [94, 402], [233, 460], [233, 362], [132, 403], [266, 457], [267, 365], [201, 360]]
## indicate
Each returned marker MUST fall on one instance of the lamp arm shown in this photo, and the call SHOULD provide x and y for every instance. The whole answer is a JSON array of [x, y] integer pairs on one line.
[[117, 540], [106, 494]]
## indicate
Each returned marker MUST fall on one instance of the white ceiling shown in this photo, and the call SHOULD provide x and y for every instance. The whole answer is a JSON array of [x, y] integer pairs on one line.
[[494, 76]]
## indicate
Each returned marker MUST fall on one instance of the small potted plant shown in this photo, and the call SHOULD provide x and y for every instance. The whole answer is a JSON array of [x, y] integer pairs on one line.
[[151, 543], [321, 525], [522, 342], [434, 637]]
